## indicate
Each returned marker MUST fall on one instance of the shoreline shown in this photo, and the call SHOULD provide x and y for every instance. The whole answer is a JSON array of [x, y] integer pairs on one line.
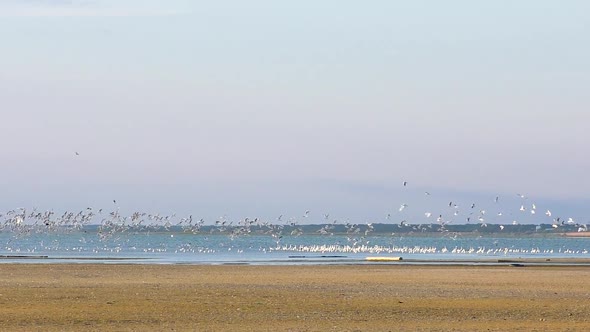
[[307, 260], [375, 297]]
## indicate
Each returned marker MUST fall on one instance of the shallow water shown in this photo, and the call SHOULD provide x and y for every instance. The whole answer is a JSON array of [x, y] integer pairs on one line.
[[173, 247]]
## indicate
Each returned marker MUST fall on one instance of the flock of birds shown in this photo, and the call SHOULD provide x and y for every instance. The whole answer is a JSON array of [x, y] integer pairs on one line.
[[109, 223], [475, 214]]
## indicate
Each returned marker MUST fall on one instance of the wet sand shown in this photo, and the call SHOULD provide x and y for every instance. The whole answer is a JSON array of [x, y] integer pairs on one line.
[[92, 297]]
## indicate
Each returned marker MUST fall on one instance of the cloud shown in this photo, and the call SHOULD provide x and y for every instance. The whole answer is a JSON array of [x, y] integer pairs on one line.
[[87, 8]]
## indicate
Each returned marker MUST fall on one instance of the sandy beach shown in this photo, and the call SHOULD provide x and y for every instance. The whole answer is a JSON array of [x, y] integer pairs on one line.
[[92, 297]]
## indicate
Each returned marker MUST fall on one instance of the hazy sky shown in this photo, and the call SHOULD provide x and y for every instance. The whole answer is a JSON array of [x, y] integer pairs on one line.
[[266, 107]]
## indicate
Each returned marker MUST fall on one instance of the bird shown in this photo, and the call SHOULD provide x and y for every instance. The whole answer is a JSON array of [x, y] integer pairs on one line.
[[405, 183], [548, 213], [77, 154], [402, 207]]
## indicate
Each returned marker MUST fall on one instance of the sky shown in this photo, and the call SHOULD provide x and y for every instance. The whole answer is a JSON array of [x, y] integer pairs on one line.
[[264, 107]]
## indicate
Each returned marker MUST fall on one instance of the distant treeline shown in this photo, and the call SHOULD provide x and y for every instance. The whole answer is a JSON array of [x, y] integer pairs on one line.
[[366, 229]]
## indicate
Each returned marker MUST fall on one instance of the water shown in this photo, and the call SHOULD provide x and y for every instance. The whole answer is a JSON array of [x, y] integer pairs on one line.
[[177, 247]]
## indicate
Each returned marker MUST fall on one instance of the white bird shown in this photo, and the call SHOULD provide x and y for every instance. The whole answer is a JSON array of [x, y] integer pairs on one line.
[[501, 227], [548, 213], [534, 206], [522, 208], [533, 212], [402, 207], [427, 214]]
